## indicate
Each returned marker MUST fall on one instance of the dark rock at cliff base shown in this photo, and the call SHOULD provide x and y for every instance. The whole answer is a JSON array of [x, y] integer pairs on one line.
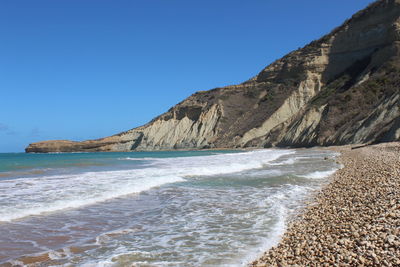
[[340, 89]]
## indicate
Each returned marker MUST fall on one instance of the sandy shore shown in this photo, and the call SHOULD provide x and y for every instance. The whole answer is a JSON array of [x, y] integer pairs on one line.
[[355, 219]]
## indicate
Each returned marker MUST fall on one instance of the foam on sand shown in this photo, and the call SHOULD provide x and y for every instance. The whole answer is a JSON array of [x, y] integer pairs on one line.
[[319, 174], [37, 195]]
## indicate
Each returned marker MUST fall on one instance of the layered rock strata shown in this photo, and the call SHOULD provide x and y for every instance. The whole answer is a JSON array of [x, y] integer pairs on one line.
[[341, 89]]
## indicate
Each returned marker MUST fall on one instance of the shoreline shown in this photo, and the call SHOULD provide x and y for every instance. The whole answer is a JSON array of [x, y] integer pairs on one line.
[[276, 202], [354, 220]]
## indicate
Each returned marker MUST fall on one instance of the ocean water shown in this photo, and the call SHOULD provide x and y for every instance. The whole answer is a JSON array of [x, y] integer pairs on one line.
[[181, 208]]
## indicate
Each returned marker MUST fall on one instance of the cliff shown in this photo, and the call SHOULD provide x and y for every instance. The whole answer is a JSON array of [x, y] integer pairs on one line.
[[340, 89]]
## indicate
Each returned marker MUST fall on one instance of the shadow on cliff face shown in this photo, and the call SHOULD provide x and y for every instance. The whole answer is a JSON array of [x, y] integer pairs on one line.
[[363, 71], [366, 32]]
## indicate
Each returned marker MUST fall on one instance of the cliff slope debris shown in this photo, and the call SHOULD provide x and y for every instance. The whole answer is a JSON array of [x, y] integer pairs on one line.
[[340, 89]]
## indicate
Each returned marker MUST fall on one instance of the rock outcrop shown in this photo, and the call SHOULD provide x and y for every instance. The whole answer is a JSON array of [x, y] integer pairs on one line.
[[341, 89]]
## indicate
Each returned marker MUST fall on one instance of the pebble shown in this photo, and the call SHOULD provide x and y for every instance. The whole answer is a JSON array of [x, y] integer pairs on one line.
[[355, 219]]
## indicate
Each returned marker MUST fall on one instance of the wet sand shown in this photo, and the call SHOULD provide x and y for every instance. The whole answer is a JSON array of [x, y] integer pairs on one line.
[[353, 221]]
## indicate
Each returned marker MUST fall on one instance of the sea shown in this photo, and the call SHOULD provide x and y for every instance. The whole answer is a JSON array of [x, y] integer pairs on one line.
[[180, 208]]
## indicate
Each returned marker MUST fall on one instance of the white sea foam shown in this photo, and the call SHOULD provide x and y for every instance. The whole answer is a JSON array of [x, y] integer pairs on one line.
[[286, 162], [279, 203], [54, 198], [137, 159], [227, 214], [275, 205], [36, 195], [319, 174]]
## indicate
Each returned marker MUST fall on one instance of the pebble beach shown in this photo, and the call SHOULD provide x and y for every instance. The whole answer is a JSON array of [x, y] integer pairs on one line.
[[353, 221]]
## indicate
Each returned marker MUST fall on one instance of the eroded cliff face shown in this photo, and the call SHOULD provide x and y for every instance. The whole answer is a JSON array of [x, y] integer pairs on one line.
[[343, 88]]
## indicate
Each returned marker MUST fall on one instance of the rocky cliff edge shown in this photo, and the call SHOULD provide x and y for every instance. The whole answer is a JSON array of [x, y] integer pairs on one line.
[[341, 89]]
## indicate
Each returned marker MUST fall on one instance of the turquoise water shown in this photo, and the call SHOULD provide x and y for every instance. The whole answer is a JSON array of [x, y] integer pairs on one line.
[[12, 164], [181, 208]]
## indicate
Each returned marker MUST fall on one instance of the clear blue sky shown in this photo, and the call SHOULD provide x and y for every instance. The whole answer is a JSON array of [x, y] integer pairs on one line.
[[80, 69]]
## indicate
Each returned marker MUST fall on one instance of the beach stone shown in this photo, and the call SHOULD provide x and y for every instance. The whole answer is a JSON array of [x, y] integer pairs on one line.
[[353, 220]]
